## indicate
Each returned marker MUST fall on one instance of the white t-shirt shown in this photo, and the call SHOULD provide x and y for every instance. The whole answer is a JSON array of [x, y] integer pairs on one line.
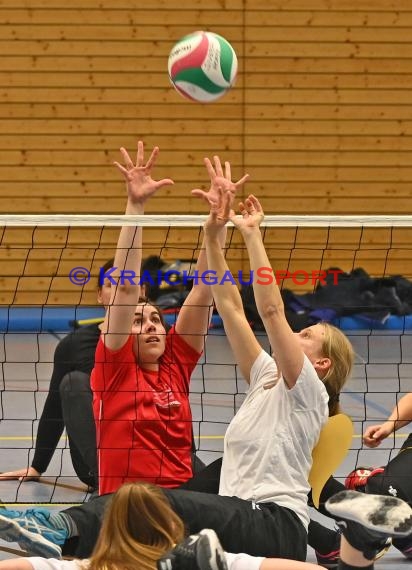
[[54, 564], [234, 562], [268, 444]]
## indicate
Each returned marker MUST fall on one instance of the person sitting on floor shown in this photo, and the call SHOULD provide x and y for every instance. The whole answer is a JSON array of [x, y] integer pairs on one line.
[[141, 531]]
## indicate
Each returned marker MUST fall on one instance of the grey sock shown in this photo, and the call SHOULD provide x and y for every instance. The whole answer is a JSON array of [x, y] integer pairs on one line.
[[64, 521]]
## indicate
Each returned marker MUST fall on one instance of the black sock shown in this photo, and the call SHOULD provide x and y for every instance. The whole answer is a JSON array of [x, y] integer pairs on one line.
[[322, 539], [343, 566]]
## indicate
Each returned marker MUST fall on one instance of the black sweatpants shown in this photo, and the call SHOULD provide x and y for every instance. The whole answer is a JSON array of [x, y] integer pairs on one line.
[[267, 530], [77, 407], [88, 516], [320, 537], [396, 480]]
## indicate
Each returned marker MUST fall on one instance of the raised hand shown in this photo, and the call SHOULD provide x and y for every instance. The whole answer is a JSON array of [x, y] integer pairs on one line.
[[139, 181], [220, 211], [219, 180], [251, 215]]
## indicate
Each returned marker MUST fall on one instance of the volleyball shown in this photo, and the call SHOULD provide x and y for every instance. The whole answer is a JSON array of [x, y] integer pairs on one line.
[[202, 66]]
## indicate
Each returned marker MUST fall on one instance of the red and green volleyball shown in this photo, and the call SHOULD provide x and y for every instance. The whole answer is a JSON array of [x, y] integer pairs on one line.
[[202, 66]]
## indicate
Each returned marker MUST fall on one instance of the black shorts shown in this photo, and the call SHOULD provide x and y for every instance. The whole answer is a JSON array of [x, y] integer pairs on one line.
[[266, 529]]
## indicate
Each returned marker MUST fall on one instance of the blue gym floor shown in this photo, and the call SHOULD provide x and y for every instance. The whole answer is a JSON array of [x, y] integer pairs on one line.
[[383, 371]]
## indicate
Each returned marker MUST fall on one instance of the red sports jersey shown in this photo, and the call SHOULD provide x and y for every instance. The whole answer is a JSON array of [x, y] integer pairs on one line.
[[143, 418]]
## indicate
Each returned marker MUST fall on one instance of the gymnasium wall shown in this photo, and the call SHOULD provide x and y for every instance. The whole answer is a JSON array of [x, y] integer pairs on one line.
[[320, 117]]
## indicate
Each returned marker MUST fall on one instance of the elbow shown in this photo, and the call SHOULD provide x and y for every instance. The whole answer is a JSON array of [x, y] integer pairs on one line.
[[228, 308], [272, 311], [127, 291]]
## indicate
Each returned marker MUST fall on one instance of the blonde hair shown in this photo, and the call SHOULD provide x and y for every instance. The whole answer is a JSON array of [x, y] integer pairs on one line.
[[138, 528], [339, 350]]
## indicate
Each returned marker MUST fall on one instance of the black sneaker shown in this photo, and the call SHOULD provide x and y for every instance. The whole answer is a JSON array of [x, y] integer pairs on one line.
[[367, 521], [407, 552], [329, 560], [201, 551]]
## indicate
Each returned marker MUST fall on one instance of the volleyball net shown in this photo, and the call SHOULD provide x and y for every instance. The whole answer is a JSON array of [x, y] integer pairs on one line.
[[353, 271]]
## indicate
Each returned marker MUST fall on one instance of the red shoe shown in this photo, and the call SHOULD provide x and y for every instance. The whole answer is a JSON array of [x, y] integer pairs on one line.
[[359, 477]]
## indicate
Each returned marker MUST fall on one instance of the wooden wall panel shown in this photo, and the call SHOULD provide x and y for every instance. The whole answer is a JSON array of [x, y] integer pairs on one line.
[[321, 118]]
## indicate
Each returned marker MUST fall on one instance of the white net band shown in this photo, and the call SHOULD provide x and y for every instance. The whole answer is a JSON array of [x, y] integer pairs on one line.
[[151, 220]]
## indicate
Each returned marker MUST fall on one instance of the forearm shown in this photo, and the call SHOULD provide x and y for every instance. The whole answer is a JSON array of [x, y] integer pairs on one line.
[[16, 564], [401, 414], [267, 294], [226, 295], [128, 258], [201, 291], [129, 245], [194, 317], [125, 285]]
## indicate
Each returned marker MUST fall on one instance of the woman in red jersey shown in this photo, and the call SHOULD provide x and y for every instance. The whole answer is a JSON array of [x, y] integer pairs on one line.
[[141, 376]]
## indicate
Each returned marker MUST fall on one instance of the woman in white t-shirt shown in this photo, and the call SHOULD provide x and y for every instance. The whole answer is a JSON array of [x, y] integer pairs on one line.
[[262, 507]]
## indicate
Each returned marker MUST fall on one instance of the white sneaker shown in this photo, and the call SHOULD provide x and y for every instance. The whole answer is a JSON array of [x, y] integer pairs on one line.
[[367, 521]]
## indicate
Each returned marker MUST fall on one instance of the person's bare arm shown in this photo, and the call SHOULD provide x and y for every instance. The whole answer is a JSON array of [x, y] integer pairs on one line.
[[125, 293], [194, 317], [285, 346], [401, 416]]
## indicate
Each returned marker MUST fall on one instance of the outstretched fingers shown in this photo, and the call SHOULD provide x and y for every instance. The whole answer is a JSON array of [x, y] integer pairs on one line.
[[140, 153], [217, 171], [218, 166], [226, 200], [247, 207], [128, 162], [203, 195], [241, 181], [210, 170], [252, 205], [221, 183], [126, 158], [228, 170], [140, 184], [251, 214], [163, 182], [122, 169], [152, 158]]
